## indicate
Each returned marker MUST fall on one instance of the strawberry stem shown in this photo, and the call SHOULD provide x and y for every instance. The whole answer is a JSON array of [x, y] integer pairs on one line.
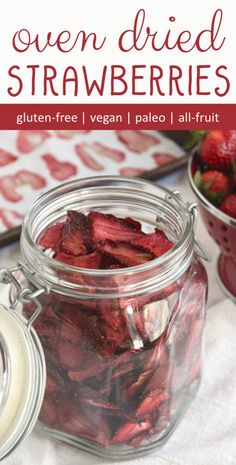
[[198, 179], [194, 139]]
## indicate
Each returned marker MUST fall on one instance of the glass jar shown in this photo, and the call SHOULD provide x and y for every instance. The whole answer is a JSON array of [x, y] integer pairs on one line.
[[123, 346]]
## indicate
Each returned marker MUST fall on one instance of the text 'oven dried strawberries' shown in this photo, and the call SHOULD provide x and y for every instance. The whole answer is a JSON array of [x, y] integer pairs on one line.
[[103, 241], [112, 378]]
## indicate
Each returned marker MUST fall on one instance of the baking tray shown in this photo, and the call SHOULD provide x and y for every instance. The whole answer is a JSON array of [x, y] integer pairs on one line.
[[29, 157]]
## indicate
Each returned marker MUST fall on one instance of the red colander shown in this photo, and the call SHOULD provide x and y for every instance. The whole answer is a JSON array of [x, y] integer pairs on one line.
[[222, 229]]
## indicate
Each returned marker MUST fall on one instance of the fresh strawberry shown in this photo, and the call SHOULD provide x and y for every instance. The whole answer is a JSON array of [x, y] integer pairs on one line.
[[234, 179], [213, 184], [218, 149], [234, 173], [228, 205]]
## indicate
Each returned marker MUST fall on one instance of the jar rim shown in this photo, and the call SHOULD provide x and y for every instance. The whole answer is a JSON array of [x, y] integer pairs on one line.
[[184, 241]]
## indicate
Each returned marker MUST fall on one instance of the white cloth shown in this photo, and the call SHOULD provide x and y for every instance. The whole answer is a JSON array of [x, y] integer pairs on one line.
[[207, 433]]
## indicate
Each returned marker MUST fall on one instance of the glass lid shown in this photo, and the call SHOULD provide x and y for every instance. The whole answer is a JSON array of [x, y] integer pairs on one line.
[[22, 379]]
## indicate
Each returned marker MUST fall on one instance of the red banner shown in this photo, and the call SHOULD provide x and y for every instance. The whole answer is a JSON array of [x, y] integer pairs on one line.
[[117, 116]]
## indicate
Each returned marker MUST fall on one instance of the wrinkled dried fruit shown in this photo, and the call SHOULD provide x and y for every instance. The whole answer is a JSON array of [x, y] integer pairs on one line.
[[108, 227], [151, 402], [129, 430], [75, 238], [119, 367], [102, 241], [126, 253], [156, 243], [51, 236], [91, 260]]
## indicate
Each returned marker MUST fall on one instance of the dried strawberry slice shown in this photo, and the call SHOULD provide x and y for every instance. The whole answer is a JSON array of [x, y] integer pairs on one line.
[[51, 237], [118, 338], [99, 426], [76, 234], [56, 377], [138, 384], [157, 243], [122, 370], [51, 385], [151, 402], [90, 365], [112, 314], [137, 141], [129, 430], [158, 354], [108, 227], [71, 419], [126, 253], [87, 395], [109, 263], [137, 440], [131, 223], [45, 328], [49, 412], [161, 378], [70, 333], [91, 261], [70, 356]]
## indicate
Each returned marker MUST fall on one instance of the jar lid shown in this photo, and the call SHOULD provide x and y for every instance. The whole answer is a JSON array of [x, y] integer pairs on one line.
[[22, 379]]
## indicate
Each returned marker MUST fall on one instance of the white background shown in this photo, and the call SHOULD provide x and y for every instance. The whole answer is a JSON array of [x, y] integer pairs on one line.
[[110, 18]]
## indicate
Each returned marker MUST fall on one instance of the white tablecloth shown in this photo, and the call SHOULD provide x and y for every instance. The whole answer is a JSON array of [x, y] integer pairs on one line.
[[207, 433]]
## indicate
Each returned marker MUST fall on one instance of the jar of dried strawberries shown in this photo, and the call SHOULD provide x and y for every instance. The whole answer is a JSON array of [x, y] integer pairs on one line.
[[112, 283]]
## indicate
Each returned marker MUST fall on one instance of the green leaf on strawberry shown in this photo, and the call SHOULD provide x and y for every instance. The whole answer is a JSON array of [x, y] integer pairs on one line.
[[194, 138], [213, 184], [198, 179]]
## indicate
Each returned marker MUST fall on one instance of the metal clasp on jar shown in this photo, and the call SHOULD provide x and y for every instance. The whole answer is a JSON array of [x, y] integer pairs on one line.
[[23, 295], [192, 208]]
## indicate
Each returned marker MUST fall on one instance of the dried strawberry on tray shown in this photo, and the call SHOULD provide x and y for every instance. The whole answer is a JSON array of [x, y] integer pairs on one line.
[[47, 158]]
